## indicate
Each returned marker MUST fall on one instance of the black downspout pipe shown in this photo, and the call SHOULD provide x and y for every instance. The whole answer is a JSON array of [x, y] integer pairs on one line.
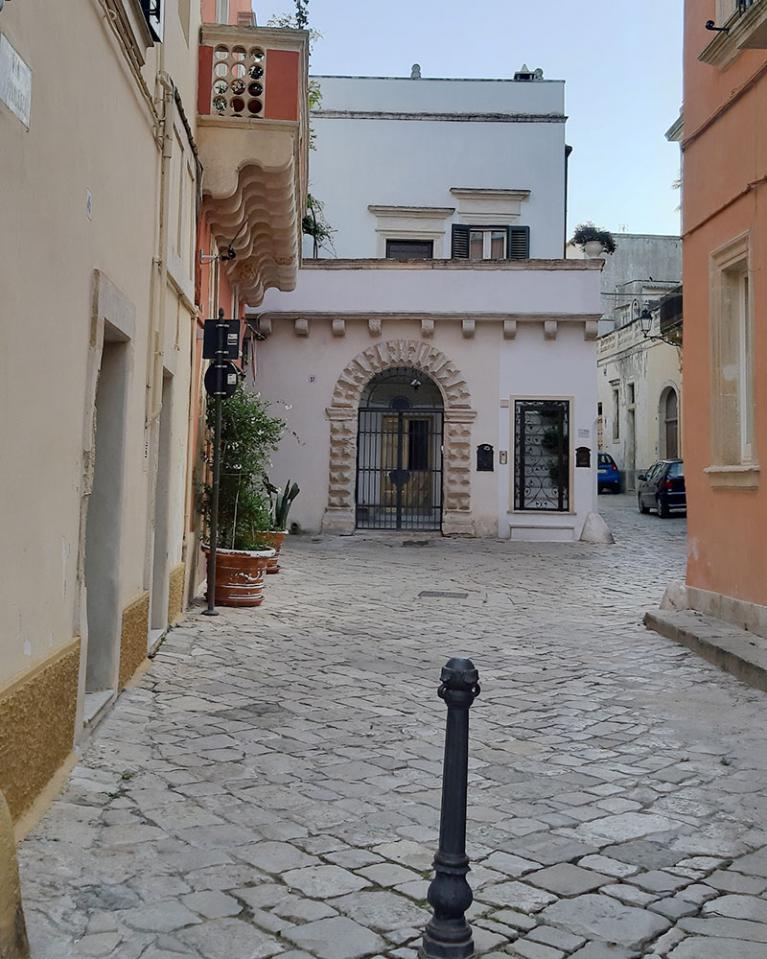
[[568, 151]]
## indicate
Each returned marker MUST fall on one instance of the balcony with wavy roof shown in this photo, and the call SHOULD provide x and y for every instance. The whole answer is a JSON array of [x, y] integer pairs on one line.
[[253, 140]]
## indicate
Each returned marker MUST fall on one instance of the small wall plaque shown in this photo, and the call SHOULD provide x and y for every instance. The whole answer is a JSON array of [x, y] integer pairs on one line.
[[583, 457], [485, 458]]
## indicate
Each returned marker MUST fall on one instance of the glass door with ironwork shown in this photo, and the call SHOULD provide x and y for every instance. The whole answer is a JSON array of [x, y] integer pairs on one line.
[[542, 455]]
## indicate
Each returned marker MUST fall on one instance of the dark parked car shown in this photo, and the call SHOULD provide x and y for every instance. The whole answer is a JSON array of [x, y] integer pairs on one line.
[[608, 477], [662, 488]]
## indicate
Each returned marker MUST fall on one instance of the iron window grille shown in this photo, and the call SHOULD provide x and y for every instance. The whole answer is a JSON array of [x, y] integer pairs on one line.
[[542, 455]]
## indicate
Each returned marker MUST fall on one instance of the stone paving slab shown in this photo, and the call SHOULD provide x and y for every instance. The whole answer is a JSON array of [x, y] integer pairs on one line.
[[272, 785]]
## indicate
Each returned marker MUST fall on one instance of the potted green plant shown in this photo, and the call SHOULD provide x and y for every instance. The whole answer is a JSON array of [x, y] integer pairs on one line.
[[593, 241], [249, 434], [281, 501]]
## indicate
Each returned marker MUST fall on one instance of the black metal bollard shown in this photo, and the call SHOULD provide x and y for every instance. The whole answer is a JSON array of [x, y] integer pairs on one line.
[[448, 934]]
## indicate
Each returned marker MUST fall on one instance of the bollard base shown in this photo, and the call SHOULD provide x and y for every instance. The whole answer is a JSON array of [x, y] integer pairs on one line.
[[454, 944], [440, 950]]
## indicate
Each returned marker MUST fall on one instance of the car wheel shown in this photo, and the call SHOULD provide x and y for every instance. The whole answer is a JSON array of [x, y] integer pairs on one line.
[[642, 509], [663, 510]]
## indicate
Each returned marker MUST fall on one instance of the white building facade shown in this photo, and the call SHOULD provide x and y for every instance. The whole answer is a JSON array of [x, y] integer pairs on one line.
[[640, 370], [436, 364]]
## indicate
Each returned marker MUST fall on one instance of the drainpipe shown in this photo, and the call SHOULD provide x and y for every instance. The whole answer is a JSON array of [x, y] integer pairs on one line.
[[156, 344], [568, 151]]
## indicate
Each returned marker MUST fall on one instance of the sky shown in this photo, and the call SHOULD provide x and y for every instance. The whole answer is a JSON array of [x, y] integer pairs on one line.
[[621, 60]]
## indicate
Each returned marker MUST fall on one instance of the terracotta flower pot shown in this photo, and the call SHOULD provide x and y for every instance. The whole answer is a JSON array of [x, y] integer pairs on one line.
[[275, 540], [240, 576]]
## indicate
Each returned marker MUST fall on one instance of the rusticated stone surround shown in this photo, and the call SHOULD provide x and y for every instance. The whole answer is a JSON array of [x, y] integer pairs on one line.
[[342, 413]]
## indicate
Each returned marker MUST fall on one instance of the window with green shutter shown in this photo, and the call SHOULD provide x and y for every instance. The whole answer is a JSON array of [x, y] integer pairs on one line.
[[490, 242]]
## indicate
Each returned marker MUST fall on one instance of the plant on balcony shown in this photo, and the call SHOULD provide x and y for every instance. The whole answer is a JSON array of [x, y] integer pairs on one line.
[[249, 435], [588, 234], [315, 225]]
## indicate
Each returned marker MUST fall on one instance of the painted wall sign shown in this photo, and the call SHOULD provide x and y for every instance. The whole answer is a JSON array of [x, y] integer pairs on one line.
[[15, 82]]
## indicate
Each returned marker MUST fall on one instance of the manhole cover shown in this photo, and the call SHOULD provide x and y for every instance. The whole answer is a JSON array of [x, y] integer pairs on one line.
[[439, 594]]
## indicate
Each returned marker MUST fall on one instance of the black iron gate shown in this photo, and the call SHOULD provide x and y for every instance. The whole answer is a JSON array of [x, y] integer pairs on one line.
[[399, 467]]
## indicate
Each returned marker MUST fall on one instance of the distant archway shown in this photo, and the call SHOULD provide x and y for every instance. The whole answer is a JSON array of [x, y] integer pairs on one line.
[[343, 415], [669, 423]]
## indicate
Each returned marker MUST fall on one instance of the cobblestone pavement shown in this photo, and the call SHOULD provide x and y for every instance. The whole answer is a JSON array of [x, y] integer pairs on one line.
[[271, 787]]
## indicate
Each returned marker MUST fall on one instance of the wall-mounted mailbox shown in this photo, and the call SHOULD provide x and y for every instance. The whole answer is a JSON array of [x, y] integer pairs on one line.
[[583, 457], [485, 458]]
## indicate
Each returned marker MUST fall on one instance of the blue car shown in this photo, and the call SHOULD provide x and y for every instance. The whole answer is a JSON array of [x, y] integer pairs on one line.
[[609, 479]]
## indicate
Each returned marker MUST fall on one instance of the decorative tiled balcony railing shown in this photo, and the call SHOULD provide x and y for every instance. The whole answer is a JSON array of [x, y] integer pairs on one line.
[[238, 81], [251, 73]]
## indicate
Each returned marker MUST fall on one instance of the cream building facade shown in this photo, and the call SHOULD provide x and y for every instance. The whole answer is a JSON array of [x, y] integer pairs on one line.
[[110, 260], [97, 270], [436, 364]]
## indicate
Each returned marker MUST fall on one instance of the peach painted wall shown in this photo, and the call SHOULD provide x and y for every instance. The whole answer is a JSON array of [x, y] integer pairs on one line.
[[725, 195], [236, 7]]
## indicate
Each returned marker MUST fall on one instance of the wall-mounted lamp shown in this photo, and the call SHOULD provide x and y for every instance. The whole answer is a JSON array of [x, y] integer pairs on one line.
[[645, 324], [711, 25]]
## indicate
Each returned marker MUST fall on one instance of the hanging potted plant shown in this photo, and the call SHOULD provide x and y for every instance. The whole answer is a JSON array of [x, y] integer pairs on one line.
[[593, 241], [281, 501], [248, 436]]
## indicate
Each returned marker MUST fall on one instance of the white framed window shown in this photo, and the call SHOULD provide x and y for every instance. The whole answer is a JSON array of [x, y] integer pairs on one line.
[[724, 10], [222, 11], [487, 244], [745, 368], [732, 361]]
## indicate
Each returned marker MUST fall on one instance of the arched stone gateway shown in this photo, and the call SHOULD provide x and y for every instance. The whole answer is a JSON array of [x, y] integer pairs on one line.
[[342, 414]]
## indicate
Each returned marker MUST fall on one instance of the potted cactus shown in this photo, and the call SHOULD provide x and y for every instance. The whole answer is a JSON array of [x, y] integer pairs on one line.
[[281, 501]]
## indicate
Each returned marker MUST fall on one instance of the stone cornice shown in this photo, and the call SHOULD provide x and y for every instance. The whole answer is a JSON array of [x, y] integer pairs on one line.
[[371, 315], [440, 117], [455, 264], [488, 193], [275, 38], [422, 212]]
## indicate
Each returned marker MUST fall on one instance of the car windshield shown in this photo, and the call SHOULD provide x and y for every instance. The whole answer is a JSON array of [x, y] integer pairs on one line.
[[605, 459], [676, 469]]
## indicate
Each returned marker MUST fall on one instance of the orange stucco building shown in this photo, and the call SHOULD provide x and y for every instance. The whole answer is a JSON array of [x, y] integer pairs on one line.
[[724, 145]]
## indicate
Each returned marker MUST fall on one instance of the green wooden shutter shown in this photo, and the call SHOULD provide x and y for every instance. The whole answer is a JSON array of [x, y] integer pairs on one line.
[[460, 246], [518, 243]]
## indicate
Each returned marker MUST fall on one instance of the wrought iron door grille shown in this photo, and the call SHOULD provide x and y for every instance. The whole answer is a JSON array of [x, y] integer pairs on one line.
[[399, 467], [542, 455]]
